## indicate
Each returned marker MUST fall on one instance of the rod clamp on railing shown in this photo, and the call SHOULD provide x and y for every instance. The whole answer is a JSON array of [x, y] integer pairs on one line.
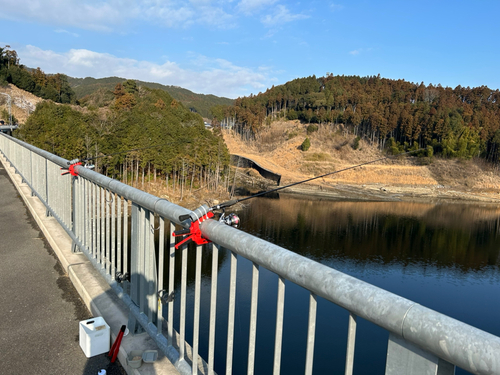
[[193, 233], [71, 167]]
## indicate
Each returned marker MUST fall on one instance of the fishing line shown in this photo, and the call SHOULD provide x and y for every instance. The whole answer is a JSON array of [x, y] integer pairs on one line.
[[234, 201], [202, 213]]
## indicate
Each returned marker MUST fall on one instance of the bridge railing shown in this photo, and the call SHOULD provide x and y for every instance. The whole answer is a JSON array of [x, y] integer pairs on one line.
[[122, 230]]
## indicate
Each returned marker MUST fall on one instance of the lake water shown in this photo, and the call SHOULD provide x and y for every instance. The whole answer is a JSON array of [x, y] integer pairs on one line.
[[443, 256]]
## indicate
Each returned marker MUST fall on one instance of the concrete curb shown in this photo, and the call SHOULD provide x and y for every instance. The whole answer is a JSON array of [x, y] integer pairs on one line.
[[98, 296]]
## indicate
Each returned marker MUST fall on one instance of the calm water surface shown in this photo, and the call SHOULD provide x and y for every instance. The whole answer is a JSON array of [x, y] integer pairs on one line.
[[445, 257]]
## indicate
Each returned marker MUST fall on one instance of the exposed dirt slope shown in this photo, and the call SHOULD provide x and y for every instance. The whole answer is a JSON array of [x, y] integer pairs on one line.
[[23, 102], [278, 149]]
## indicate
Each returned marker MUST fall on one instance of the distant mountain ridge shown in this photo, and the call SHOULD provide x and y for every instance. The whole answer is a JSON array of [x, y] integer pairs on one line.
[[200, 103]]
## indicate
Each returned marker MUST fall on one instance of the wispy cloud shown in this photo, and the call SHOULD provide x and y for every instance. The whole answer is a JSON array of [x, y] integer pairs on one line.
[[62, 31], [214, 76], [116, 15], [100, 16], [360, 50], [249, 7], [336, 7], [121, 15], [280, 16]]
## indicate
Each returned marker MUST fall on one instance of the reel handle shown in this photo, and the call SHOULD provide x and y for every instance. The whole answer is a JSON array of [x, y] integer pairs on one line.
[[184, 217], [182, 232]]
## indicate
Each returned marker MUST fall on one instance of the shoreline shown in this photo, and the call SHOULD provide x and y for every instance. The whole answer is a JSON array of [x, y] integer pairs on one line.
[[385, 193], [377, 192]]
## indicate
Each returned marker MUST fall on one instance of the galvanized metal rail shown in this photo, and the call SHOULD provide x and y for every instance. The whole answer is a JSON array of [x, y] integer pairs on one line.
[[8, 128], [100, 214]]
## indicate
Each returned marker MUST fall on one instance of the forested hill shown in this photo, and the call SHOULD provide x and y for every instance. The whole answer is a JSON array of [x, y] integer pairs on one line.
[[460, 122], [165, 137], [47, 86], [198, 102]]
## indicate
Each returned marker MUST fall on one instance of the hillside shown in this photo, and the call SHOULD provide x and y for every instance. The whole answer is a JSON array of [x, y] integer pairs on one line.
[[278, 149], [199, 102], [23, 103], [462, 122]]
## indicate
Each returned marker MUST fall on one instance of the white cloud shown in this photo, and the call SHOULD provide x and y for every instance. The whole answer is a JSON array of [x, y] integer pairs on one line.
[[360, 50], [62, 31], [336, 7], [122, 15], [249, 7], [280, 16], [116, 15], [91, 15], [214, 76]]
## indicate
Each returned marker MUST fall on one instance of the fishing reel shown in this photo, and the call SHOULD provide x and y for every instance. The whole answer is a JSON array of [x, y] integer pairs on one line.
[[73, 163], [89, 166], [232, 219], [198, 216]]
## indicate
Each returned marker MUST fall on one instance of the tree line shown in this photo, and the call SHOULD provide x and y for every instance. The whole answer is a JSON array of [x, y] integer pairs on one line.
[[459, 122], [142, 134], [47, 86], [199, 103]]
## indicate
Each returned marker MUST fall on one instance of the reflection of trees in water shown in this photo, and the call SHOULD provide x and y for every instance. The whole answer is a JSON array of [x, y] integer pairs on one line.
[[445, 235]]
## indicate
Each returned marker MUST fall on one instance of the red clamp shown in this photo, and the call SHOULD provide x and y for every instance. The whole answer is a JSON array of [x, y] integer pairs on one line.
[[193, 233], [71, 169]]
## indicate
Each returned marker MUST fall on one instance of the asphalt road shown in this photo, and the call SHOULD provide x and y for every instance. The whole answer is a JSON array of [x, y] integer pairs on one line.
[[39, 309]]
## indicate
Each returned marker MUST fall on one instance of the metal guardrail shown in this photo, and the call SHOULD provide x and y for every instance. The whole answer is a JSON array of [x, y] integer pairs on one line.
[[94, 210], [8, 128]]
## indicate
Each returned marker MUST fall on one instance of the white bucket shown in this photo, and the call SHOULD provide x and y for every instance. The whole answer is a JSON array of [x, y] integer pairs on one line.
[[94, 336]]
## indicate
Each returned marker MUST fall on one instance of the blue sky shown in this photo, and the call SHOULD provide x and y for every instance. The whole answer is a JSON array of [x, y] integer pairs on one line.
[[236, 47]]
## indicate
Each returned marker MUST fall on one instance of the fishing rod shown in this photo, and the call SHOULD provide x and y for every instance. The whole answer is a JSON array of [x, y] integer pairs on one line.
[[204, 212]]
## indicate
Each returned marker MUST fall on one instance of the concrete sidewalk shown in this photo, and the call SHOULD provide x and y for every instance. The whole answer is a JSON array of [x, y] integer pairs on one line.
[[40, 308], [41, 282]]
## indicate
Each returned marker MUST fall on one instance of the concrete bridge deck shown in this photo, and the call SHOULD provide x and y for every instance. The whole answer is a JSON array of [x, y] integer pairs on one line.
[[41, 307]]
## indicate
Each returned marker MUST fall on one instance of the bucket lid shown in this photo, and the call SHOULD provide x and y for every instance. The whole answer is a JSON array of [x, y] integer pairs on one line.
[[149, 356]]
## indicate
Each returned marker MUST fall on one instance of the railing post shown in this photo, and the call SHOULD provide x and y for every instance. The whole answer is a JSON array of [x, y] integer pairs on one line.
[[31, 173], [47, 213], [351, 341], [75, 213], [404, 358], [135, 274]]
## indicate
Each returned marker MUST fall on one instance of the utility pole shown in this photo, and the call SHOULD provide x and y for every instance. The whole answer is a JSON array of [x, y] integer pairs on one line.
[[10, 105]]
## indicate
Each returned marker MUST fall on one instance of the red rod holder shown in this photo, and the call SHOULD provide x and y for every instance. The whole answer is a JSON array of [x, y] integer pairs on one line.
[[194, 232]]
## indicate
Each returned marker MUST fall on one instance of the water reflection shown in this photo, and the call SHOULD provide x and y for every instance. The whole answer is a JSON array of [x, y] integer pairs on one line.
[[459, 236], [445, 257]]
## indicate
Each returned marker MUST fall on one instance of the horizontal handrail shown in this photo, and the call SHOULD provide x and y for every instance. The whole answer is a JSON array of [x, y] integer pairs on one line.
[[456, 342], [461, 344], [161, 206]]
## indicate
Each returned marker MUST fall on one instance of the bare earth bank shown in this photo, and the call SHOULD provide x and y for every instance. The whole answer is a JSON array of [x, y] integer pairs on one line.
[[395, 179]]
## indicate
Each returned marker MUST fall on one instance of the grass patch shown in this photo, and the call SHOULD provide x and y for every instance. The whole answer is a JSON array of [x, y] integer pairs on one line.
[[317, 156]]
